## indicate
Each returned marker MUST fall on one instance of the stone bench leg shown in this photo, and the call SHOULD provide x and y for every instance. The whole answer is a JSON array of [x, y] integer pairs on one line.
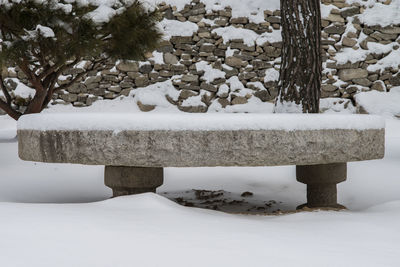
[[321, 183], [132, 180]]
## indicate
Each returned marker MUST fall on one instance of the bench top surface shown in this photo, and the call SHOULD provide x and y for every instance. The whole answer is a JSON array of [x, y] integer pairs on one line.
[[197, 140], [197, 122]]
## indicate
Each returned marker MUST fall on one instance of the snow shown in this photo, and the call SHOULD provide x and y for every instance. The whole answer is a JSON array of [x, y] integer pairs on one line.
[[195, 122], [351, 55], [157, 58], [271, 74], [210, 74], [102, 14], [8, 128], [177, 28], [249, 37], [390, 61], [155, 95], [337, 105], [22, 90], [45, 31], [381, 14], [382, 103], [287, 107], [253, 105], [41, 227]]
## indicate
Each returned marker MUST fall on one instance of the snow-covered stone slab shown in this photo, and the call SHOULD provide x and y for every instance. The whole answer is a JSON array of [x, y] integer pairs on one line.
[[197, 140]]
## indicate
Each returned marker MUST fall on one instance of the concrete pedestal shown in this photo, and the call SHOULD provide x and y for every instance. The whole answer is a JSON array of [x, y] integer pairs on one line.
[[132, 180], [321, 183]]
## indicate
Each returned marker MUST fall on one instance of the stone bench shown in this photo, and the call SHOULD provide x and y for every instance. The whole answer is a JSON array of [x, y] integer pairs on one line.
[[136, 147]]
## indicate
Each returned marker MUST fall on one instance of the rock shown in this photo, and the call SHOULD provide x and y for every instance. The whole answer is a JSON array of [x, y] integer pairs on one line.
[[395, 80], [165, 47], [362, 81], [207, 48], [348, 41], [364, 44], [272, 51], [350, 74], [240, 20], [170, 58], [239, 100], [348, 65], [190, 78], [111, 78], [349, 12], [93, 79], [379, 86], [383, 36], [195, 19], [142, 81], [329, 88], [185, 94], [125, 84], [128, 66], [247, 75], [273, 19], [223, 102], [390, 30], [90, 100], [181, 40], [69, 97], [145, 68], [144, 107], [193, 109], [126, 91], [235, 62], [77, 88], [109, 95], [208, 87], [115, 89], [334, 18], [263, 95], [335, 29]]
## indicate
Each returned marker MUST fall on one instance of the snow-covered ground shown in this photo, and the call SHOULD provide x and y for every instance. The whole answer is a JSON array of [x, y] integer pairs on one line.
[[62, 215]]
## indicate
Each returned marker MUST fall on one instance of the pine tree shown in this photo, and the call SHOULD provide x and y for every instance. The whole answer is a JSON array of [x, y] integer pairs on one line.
[[301, 68], [47, 38]]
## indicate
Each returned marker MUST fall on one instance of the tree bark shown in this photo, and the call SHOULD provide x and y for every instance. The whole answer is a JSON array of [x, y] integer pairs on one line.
[[301, 68]]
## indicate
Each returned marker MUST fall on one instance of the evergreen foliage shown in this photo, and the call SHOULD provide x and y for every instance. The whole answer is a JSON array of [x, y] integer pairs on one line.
[[46, 38]]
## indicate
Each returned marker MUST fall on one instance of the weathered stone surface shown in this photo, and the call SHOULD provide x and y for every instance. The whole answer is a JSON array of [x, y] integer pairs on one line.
[[321, 180], [235, 62], [349, 42], [351, 11], [142, 81], [144, 107], [362, 81], [334, 18], [349, 74], [335, 29], [128, 66], [162, 148], [379, 86], [239, 100], [132, 180], [170, 58], [190, 78]]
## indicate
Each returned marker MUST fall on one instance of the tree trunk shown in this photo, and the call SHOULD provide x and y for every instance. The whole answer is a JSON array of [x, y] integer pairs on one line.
[[300, 74]]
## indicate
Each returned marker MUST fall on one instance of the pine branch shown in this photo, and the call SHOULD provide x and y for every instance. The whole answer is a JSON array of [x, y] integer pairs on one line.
[[95, 65], [9, 110], [4, 89]]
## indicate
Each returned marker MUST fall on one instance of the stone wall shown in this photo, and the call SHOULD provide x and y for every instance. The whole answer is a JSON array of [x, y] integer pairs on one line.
[[213, 65]]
